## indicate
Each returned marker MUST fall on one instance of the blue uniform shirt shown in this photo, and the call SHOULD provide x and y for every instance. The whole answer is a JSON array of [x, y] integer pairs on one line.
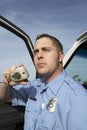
[[59, 105]]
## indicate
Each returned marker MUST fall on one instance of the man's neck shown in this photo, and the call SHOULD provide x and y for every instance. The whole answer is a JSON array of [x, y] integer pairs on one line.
[[51, 76]]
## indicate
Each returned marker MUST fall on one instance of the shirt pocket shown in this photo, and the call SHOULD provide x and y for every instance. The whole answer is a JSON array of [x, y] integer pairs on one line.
[[46, 120], [32, 105]]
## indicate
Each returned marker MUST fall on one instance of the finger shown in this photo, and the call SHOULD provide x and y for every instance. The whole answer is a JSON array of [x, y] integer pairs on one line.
[[5, 80], [23, 83], [6, 74], [12, 83], [12, 69], [20, 65]]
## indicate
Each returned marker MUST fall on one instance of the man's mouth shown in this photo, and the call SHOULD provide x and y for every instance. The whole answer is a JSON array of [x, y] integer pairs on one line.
[[40, 65]]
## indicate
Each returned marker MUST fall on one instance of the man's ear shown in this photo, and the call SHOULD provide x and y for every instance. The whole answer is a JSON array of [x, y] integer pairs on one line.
[[61, 56]]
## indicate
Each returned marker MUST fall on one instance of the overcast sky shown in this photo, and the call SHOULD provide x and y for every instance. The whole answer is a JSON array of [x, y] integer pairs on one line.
[[64, 19]]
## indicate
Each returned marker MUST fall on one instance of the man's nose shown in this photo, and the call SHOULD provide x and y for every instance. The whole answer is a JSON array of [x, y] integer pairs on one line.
[[40, 54]]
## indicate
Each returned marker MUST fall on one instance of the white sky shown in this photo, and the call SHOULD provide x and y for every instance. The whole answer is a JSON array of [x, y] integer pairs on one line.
[[64, 19]]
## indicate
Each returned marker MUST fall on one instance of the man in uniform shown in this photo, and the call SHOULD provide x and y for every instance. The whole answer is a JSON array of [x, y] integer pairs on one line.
[[53, 102]]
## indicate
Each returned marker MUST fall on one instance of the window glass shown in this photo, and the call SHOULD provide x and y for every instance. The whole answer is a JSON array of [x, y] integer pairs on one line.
[[77, 68], [13, 51]]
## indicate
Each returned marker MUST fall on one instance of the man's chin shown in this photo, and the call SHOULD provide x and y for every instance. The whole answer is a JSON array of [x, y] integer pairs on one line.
[[42, 73]]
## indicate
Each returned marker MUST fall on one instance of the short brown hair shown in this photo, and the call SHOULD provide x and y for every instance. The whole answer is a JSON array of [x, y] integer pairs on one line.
[[55, 40]]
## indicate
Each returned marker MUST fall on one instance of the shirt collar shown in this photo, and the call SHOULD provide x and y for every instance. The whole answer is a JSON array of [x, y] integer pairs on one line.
[[40, 84], [56, 83]]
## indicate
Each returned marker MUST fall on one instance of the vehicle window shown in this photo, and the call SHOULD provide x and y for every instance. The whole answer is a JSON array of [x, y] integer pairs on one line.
[[13, 51], [77, 67]]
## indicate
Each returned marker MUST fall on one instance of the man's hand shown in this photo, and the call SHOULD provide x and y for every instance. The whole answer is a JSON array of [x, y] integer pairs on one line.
[[6, 76]]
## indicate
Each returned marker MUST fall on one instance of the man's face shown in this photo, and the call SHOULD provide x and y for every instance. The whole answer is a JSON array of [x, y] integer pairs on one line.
[[46, 57]]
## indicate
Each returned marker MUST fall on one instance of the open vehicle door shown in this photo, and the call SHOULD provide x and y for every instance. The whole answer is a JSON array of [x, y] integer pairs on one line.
[[15, 47], [75, 61]]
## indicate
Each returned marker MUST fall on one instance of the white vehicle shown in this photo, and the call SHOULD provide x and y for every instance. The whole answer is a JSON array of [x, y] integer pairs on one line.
[[16, 47], [75, 61]]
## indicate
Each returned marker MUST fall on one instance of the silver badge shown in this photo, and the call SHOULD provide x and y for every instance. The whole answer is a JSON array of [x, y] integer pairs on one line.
[[52, 104]]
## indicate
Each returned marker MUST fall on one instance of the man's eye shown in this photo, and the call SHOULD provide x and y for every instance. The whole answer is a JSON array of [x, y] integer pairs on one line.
[[46, 49], [36, 51]]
